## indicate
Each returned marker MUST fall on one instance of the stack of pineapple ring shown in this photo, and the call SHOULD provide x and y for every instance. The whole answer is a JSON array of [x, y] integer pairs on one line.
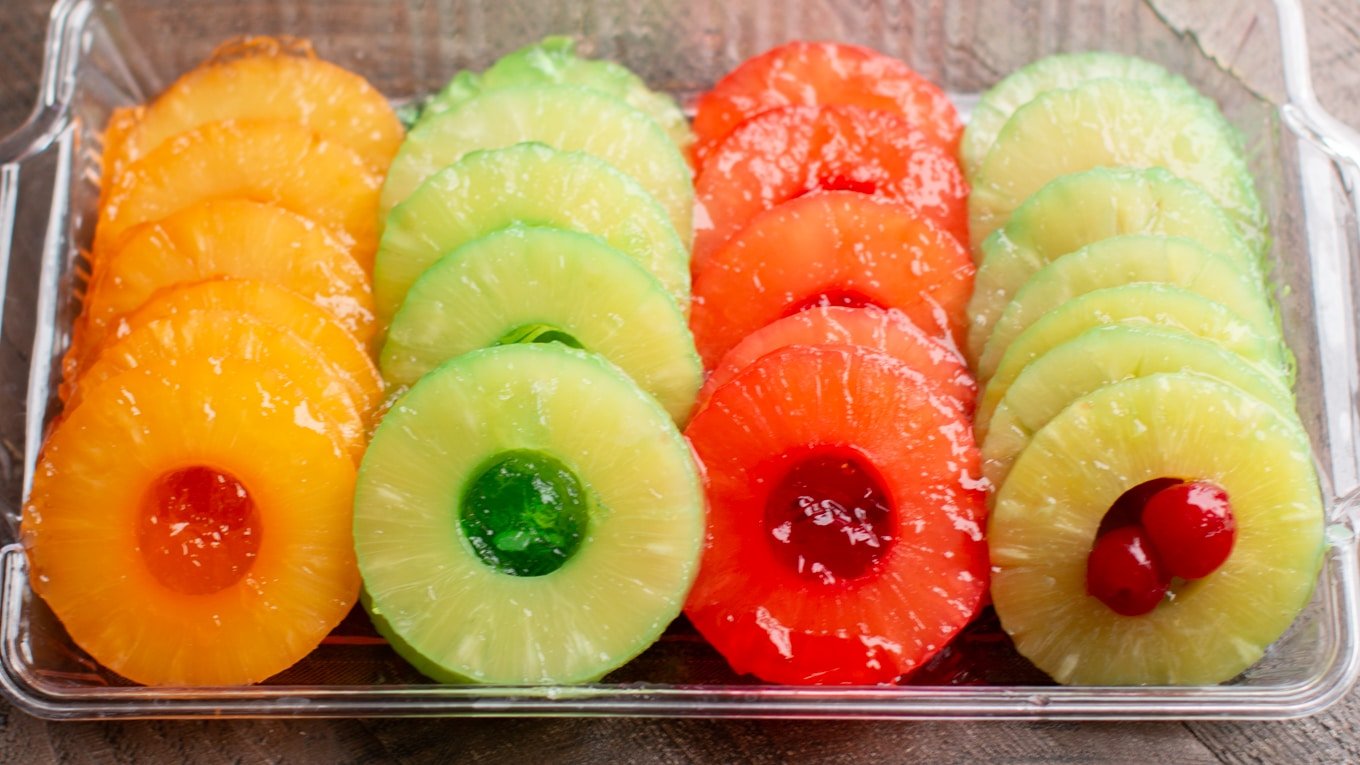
[[528, 511], [1125, 337], [189, 521]]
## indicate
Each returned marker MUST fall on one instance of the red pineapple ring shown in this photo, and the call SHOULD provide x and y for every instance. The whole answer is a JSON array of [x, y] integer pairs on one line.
[[835, 248], [822, 74], [788, 152], [927, 569], [938, 361]]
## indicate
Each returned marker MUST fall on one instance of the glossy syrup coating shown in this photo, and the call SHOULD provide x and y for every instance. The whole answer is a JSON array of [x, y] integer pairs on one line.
[[236, 238], [1125, 573], [260, 78], [270, 161], [1192, 527], [889, 331], [805, 73], [788, 152], [826, 243], [108, 536], [899, 565]]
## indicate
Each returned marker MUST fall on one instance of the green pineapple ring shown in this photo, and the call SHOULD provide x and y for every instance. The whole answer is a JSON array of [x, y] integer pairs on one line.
[[531, 184], [1147, 304], [535, 284], [1056, 72], [1115, 123], [554, 61], [566, 117], [430, 486], [1076, 210], [1131, 259]]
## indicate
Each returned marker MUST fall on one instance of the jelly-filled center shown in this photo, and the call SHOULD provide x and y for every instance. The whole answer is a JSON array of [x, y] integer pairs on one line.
[[199, 530], [846, 183], [539, 333], [835, 296], [524, 513], [829, 516]]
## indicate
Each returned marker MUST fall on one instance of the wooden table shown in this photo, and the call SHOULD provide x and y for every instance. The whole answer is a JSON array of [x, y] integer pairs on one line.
[[1334, 27]]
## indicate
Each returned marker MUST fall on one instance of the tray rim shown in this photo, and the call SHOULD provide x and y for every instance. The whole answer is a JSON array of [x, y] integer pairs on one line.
[[1311, 124]]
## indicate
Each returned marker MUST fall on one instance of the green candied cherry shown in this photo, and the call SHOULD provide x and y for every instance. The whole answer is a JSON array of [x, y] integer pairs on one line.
[[525, 513]]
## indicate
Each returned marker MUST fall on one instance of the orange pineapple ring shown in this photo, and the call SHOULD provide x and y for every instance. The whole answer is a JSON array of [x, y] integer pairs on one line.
[[272, 305], [217, 333], [272, 84], [270, 161], [234, 238], [189, 529], [121, 122]]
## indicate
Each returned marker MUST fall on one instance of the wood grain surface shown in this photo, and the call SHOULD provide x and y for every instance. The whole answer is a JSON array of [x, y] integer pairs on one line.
[[1332, 737]]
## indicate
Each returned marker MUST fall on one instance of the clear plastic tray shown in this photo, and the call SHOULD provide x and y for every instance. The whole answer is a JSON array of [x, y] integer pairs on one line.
[[110, 53]]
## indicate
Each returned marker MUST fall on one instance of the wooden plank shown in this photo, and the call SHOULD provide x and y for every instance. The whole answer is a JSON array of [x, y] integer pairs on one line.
[[1323, 739], [672, 742], [22, 26], [1237, 40]]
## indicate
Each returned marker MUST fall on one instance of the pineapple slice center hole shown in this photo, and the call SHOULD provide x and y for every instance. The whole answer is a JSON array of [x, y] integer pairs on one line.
[[1127, 510], [524, 513], [840, 182], [539, 333], [199, 530], [829, 516], [833, 296]]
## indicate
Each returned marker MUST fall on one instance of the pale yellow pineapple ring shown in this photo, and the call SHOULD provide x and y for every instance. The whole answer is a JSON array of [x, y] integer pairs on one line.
[[1046, 516]]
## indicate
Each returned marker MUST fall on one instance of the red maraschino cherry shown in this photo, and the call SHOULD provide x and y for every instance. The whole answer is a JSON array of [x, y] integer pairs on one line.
[[1124, 573], [1191, 526]]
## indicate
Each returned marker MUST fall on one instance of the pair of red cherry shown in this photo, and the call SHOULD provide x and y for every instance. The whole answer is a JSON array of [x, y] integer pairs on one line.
[[1158, 530]]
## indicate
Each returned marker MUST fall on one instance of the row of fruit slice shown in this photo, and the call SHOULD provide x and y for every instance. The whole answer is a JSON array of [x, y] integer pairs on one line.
[[533, 275], [1133, 371], [189, 520], [530, 250], [830, 275]]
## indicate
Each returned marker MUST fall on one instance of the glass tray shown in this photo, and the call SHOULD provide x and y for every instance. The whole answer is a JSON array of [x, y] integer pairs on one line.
[[101, 54]]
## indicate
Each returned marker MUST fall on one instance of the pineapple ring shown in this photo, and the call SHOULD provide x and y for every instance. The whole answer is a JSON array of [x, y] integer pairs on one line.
[[223, 333], [235, 238], [759, 607], [526, 183], [1166, 425], [272, 161], [1142, 304], [1099, 357], [1109, 122], [889, 331], [448, 612], [278, 307], [1056, 72], [83, 522], [264, 79], [566, 117], [1078, 210]]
